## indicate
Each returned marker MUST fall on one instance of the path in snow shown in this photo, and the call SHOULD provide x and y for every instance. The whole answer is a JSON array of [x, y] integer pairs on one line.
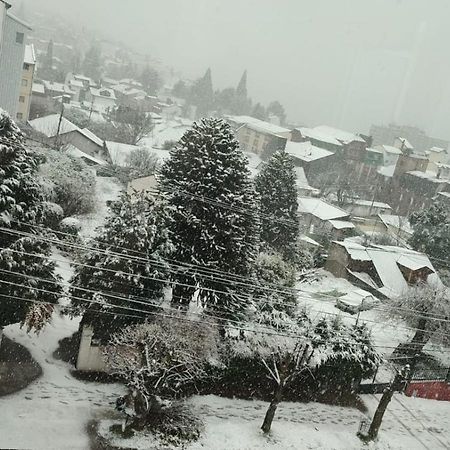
[[52, 412]]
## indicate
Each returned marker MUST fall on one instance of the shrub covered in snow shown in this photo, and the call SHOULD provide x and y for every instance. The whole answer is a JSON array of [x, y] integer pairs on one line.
[[70, 225], [160, 359], [52, 215], [72, 182]]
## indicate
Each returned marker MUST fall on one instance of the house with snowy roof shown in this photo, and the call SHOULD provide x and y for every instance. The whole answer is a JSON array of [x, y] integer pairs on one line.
[[350, 145], [257, 136], [315, 161], [59, 131], [318, 217], [101, 99], [385, 271], [365, 208]]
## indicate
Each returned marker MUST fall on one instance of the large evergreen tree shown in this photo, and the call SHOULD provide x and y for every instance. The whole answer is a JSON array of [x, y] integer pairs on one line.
[[128, 254], [432, 232], [92, 62], [276, 185], [202, 94], [208, 186], [24, 264]]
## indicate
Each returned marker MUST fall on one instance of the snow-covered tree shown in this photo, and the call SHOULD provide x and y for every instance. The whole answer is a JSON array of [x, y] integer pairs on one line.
[[426, 308], [24, 263], [298, 347], [141, 163], [432, 232], [129, 254], [70, 182], [214, 213], [159, 359], [276, 185], [274, 295]]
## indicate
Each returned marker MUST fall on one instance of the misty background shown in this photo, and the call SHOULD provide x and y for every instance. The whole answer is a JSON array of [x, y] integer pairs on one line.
[[347, 63]]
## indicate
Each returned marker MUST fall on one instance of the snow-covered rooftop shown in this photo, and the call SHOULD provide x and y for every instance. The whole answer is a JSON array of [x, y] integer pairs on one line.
[[320, 208], [386, 260], [405, 143], [370, 203], [93, 137], [48, 125], [57, 87], [305, 151], [437, 150], [390, 149], [387, 171], [38, 88], [258, 125], [343, 136], [29, 56], [341, 224], [118, 152], [77, 153], [103, 93], [399, 222], [312, 133]]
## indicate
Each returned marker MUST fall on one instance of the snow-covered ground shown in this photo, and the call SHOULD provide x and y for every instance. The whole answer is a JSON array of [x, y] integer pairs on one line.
[[52, 412], [107, 189], [235, 424]]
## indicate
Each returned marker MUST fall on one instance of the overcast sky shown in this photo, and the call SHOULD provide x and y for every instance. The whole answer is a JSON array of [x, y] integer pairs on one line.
[[347, 63]]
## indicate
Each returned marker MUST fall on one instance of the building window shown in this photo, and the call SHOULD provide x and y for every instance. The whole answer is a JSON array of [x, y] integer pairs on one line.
[[26, 66], [19, 116], [24, 82], [22, 99], [19, 38]]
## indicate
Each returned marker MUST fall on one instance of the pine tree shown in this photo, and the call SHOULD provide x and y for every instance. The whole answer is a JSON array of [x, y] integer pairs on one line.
[[276, 185], [259, 112], [133, 244], [432, 232], [242, 104], [207, 162], [24, 264], [202, 94], [92, 62]]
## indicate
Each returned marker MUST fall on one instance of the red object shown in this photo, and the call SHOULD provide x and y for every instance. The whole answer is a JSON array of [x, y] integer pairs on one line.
[[435, 390]]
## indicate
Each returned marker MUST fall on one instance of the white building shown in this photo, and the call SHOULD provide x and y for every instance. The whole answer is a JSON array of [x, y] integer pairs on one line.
[[13, 33], [101, 99]]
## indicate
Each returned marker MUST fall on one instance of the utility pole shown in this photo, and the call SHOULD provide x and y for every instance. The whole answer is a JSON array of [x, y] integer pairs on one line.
[[58, 131], [397, 385]]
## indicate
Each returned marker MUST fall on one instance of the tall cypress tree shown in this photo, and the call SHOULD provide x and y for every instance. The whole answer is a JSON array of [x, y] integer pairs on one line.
[[24, 264], [202, 94], [207, 163], [276, 185]]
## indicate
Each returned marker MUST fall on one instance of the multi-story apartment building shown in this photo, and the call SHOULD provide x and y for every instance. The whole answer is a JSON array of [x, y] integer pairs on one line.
[[26, 85], [12, 50]]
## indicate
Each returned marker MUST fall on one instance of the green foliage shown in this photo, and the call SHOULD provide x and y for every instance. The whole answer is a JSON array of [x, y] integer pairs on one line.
[[276, 185], [207, 162], [136, 223], [22, 203], [202, 95], [432, 232], [275, 279]]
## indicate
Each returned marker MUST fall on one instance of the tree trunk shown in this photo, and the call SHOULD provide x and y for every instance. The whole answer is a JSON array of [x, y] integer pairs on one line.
[[270, 414], [417, 343], [379, 413]]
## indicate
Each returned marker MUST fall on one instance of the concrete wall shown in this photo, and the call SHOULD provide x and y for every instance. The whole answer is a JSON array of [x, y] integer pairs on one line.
[[90, 356], [11, 64]]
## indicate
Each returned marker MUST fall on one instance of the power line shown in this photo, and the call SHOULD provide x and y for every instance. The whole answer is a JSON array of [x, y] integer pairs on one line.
[[289, 291]]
